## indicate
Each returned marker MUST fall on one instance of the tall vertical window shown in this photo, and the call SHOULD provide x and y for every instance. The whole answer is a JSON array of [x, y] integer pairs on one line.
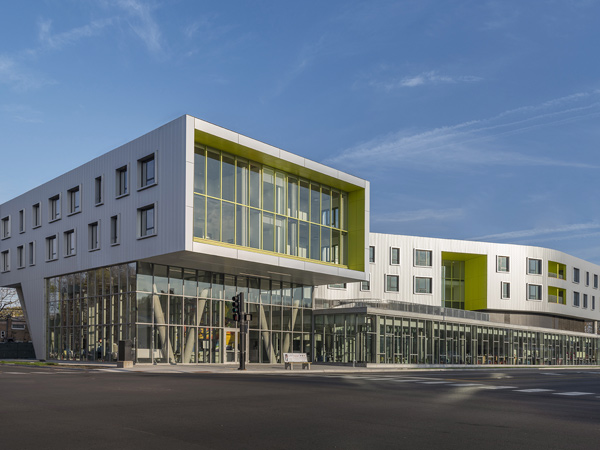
[[74, 199], [51, 248], [70, 243], [98, 191], [54, 206], [93, 236], [366, 285], [585, 300], [20, 257], [394, 256], [372, 254], [504, 290], [534, 266], [22, 221], [595, 281], [36, 215], [423, 285], [146, 221], [147, 171], [391, 283], [423, 258], [114, 230], [31, 253], [5, 261], [122, 181], [5, 227], [593, 302], [575, 275], [534, 292], [502, 264], [587, 278], [576, 299]]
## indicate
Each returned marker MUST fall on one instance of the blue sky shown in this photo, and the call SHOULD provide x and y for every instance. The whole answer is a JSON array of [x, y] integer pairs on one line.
[[471, 119]]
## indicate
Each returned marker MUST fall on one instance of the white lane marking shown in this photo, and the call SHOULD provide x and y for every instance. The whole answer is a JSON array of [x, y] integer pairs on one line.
[[553, 374], [499, 387], [573, 393], [433, 382], [534, 390], [403, 381], [466, 384], [16, 373]]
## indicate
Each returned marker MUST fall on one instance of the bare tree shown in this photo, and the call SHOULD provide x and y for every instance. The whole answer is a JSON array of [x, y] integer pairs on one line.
[[9, 303]]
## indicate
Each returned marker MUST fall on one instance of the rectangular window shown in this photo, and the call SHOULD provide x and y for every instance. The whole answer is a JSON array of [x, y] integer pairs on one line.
[[576, 299], [147, 171], [337, 286], [391, 283], [36, 215], [502, 264], [74, 199], [534, 266], [98, 191], [93, 236], [595, 281], [585, 300], [593, 302], [372, 254], [587, 278], [51, 248], [423, 285], [534, 292], [5, 260], [146, 221], [5, 227], [366, 285], [70, 243], [575, 275], [122, 181], [394, 256], [504, 289], [22, 221], [54, 206], [423, 258], [20, 257], [32, 253], [115, 233]]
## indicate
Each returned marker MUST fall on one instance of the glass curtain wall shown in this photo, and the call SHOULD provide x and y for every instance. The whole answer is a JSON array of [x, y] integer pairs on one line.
[[241, 202], [345, 338]]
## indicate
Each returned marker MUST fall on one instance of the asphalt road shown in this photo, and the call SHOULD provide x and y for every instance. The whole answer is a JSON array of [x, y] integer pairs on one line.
[[65, 408]]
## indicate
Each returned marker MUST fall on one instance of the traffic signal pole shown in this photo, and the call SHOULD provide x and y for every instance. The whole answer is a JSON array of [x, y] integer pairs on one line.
[[240, 316]]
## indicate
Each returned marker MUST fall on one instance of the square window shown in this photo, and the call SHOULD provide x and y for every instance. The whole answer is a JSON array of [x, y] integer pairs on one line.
[[394, 256], [51, 248], [20, 257], [575, 275], [423, 258], [502, 264], [32, 253], [585, 300], [70, 243], [74, 199], [147, 171], [22, 221], [372, 254], [5, 260], [54, 207], [366, 285], [423, 285], [5, 227], [504, 289], [534, 292], [534, 266], [576, 299], [115, 234], [122, 181], [391, 283], [146, 221], [93, 236], [36, 215]]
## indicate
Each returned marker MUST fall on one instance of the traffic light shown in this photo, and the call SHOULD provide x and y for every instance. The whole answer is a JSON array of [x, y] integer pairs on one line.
[[235, 307]]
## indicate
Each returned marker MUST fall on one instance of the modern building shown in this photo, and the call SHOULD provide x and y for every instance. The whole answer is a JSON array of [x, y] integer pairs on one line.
[[440, 301], [150, 242]]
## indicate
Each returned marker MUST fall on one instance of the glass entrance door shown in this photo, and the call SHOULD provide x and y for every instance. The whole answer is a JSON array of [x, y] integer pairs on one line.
[[232, 353]]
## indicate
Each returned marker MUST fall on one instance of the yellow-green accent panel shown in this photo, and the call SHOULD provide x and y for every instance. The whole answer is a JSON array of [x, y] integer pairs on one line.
[[475, 278], [557, 270], [356, 230], [557, 295]]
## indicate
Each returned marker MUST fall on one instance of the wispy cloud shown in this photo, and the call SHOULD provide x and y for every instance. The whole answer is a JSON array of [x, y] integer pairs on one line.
[[12, 73], [60, 40], [536, 232], [419, 215], [142, 23], [425, 78], [22, 113], [475, 143]]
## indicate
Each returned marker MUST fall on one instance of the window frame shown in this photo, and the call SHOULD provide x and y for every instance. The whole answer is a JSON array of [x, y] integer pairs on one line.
[[595, 281], [122, 184], [429, 292], [584, 301], [115, 225], [5, 261], [372, 254], [31, 255], [36, 215], [539, 289], [99, 190], [392, 276], [541, 266], [576, 303], [94, 245], [576, 275], [396, 251], [67, 235], [21, 221], [52, 241], [140, 221], [368, 281], [141, 164], [502, 293], [416, 260], [54, 208], [70, 206], [5, 227], [498, 259], [21, 257]]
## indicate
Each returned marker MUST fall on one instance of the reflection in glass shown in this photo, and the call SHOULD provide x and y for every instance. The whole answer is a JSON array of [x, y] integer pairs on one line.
[[213, 174], [268, 189], [199, 170], [228, 222], [268, 232], [255, 224], [241, 182], [228, 180], [213, 219], [280, 234]]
